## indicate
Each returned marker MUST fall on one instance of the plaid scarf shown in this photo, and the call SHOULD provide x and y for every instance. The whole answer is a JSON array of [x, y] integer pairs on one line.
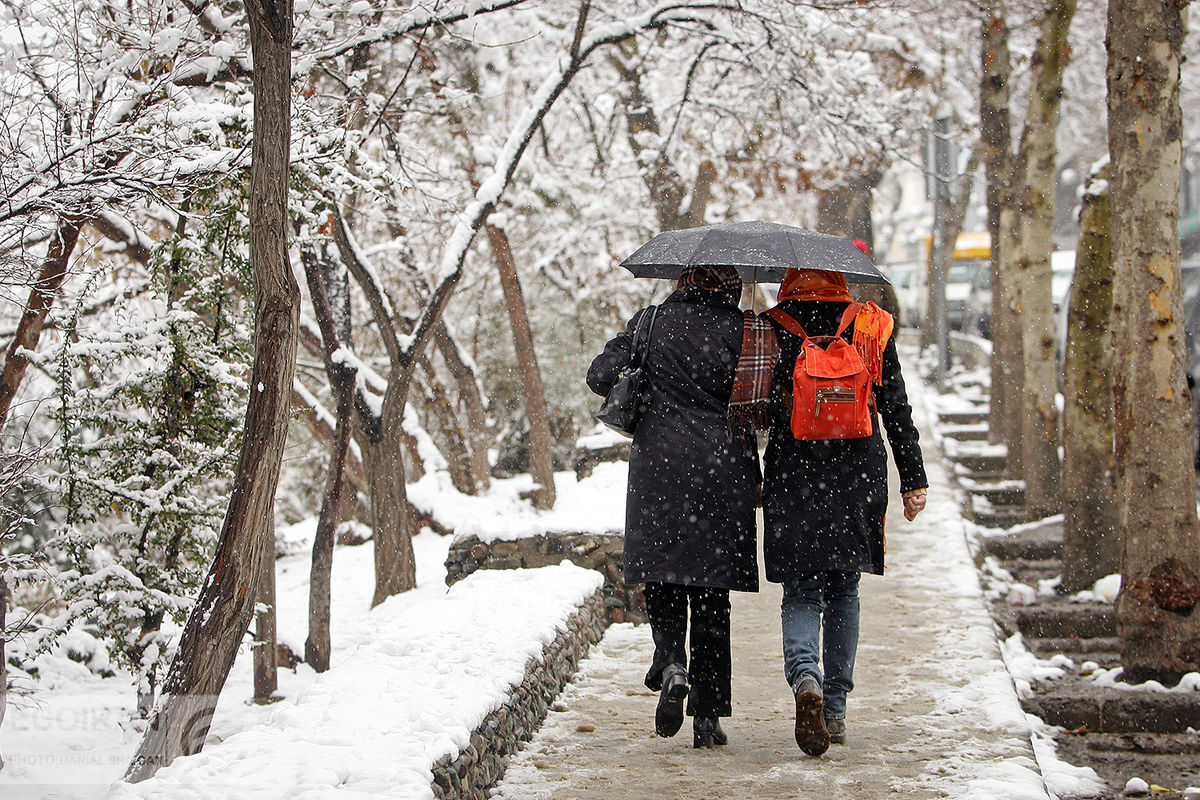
[[749, 402]]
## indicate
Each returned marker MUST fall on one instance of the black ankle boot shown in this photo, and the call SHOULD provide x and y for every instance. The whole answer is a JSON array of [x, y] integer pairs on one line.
[[706, 732], [668, 717]]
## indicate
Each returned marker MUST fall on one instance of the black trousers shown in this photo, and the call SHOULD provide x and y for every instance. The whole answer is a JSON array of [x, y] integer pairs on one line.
[[709, 668]]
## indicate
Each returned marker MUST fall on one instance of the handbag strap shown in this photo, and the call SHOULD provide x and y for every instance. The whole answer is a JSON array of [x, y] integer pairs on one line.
[[637, 354]]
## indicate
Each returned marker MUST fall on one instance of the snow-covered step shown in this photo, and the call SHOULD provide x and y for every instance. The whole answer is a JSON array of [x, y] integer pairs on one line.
[[998, 493], [971, 432]]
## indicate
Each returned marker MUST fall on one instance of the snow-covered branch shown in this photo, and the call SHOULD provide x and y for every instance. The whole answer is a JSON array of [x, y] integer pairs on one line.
[[368, 280], [492, 188], [415, 20]]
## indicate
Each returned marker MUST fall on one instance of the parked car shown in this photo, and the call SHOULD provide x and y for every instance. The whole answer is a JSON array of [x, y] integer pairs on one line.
[[960, 277], [912, 292], [972, 251], [977, 316], [908, 280], [1062, 272], [978, 307]]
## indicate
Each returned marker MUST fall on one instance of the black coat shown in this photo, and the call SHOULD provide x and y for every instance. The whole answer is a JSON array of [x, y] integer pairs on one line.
[[689, 513], [824, 501]]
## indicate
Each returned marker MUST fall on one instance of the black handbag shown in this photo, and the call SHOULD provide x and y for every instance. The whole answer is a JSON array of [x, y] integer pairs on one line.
[[626, 401]]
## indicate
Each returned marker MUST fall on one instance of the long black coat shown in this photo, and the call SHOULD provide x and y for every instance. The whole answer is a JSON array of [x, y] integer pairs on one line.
[[824, 501], [689, 513]]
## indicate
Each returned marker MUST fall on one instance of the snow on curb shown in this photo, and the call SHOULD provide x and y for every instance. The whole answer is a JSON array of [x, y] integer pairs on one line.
[[502, 515], [1059, 778], [401, 703]]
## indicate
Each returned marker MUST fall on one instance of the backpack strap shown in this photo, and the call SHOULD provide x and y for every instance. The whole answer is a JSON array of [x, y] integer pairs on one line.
[[848, 316], [784, 319]]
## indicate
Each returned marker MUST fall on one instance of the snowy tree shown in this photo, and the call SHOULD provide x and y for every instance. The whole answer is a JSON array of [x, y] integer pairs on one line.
[[150, 406], [13, 468], [328, 288], [1028, 232], [1091, 546], [1160, 535], [227, 598], [109, 110], [1021, 202]]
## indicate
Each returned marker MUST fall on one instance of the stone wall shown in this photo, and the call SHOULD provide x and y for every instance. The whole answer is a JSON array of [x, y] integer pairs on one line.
[[601, 552], [481, 765], [589, 457]]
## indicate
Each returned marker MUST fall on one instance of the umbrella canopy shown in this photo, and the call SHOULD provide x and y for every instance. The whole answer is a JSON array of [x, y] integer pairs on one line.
[[761, 251]]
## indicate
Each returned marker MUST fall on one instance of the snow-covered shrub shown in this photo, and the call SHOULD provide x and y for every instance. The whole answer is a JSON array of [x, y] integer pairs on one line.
[[151, 399]]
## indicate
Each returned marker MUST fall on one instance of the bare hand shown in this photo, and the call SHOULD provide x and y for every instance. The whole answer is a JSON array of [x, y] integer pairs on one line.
[[914, 503]]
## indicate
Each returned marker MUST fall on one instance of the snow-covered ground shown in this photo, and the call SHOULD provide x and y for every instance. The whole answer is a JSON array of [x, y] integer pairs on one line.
[[410, 679], [593, 505]]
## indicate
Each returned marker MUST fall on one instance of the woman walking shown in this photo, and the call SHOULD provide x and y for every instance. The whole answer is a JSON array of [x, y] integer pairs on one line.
[[689, 519], [824, 502]]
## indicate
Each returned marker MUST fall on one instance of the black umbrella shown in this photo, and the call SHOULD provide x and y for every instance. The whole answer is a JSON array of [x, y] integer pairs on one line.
[[761, 251]]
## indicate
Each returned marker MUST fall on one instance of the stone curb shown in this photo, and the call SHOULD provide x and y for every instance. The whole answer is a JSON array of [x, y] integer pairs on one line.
[[477, 769], [603, 552], [1116, 711]]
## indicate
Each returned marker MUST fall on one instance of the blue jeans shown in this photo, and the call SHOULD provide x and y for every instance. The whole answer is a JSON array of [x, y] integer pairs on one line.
[[822, 602]]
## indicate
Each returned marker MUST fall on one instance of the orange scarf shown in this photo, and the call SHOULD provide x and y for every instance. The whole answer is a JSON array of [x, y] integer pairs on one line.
[[814, 284], [872, 329]]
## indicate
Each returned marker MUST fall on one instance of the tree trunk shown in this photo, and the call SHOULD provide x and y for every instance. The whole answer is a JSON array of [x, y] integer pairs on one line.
[[459, 241], [318, 646], [1007, 342], [329, 290], [383, 453], [3, 657], [355, 471], [996, 138], [845, 209], [668, 192], [395, 564], [225, 606], [1039, 410], [41, 297], [147, 688], [266, 673], [469, 395], [1156, 485], [541, 455], [1091, 547], [452, 439], [953, 215]]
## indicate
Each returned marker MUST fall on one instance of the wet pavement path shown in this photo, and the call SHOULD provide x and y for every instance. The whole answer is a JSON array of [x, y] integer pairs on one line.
[[934, 713]]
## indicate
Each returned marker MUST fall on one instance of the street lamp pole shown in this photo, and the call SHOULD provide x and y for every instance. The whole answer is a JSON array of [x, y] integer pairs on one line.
[[940, 248]]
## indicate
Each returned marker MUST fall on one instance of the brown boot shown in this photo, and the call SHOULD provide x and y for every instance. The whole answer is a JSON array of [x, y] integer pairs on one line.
[[811, 735]]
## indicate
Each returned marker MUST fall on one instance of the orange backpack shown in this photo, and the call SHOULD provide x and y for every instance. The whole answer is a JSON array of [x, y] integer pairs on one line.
[[831, 385]]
